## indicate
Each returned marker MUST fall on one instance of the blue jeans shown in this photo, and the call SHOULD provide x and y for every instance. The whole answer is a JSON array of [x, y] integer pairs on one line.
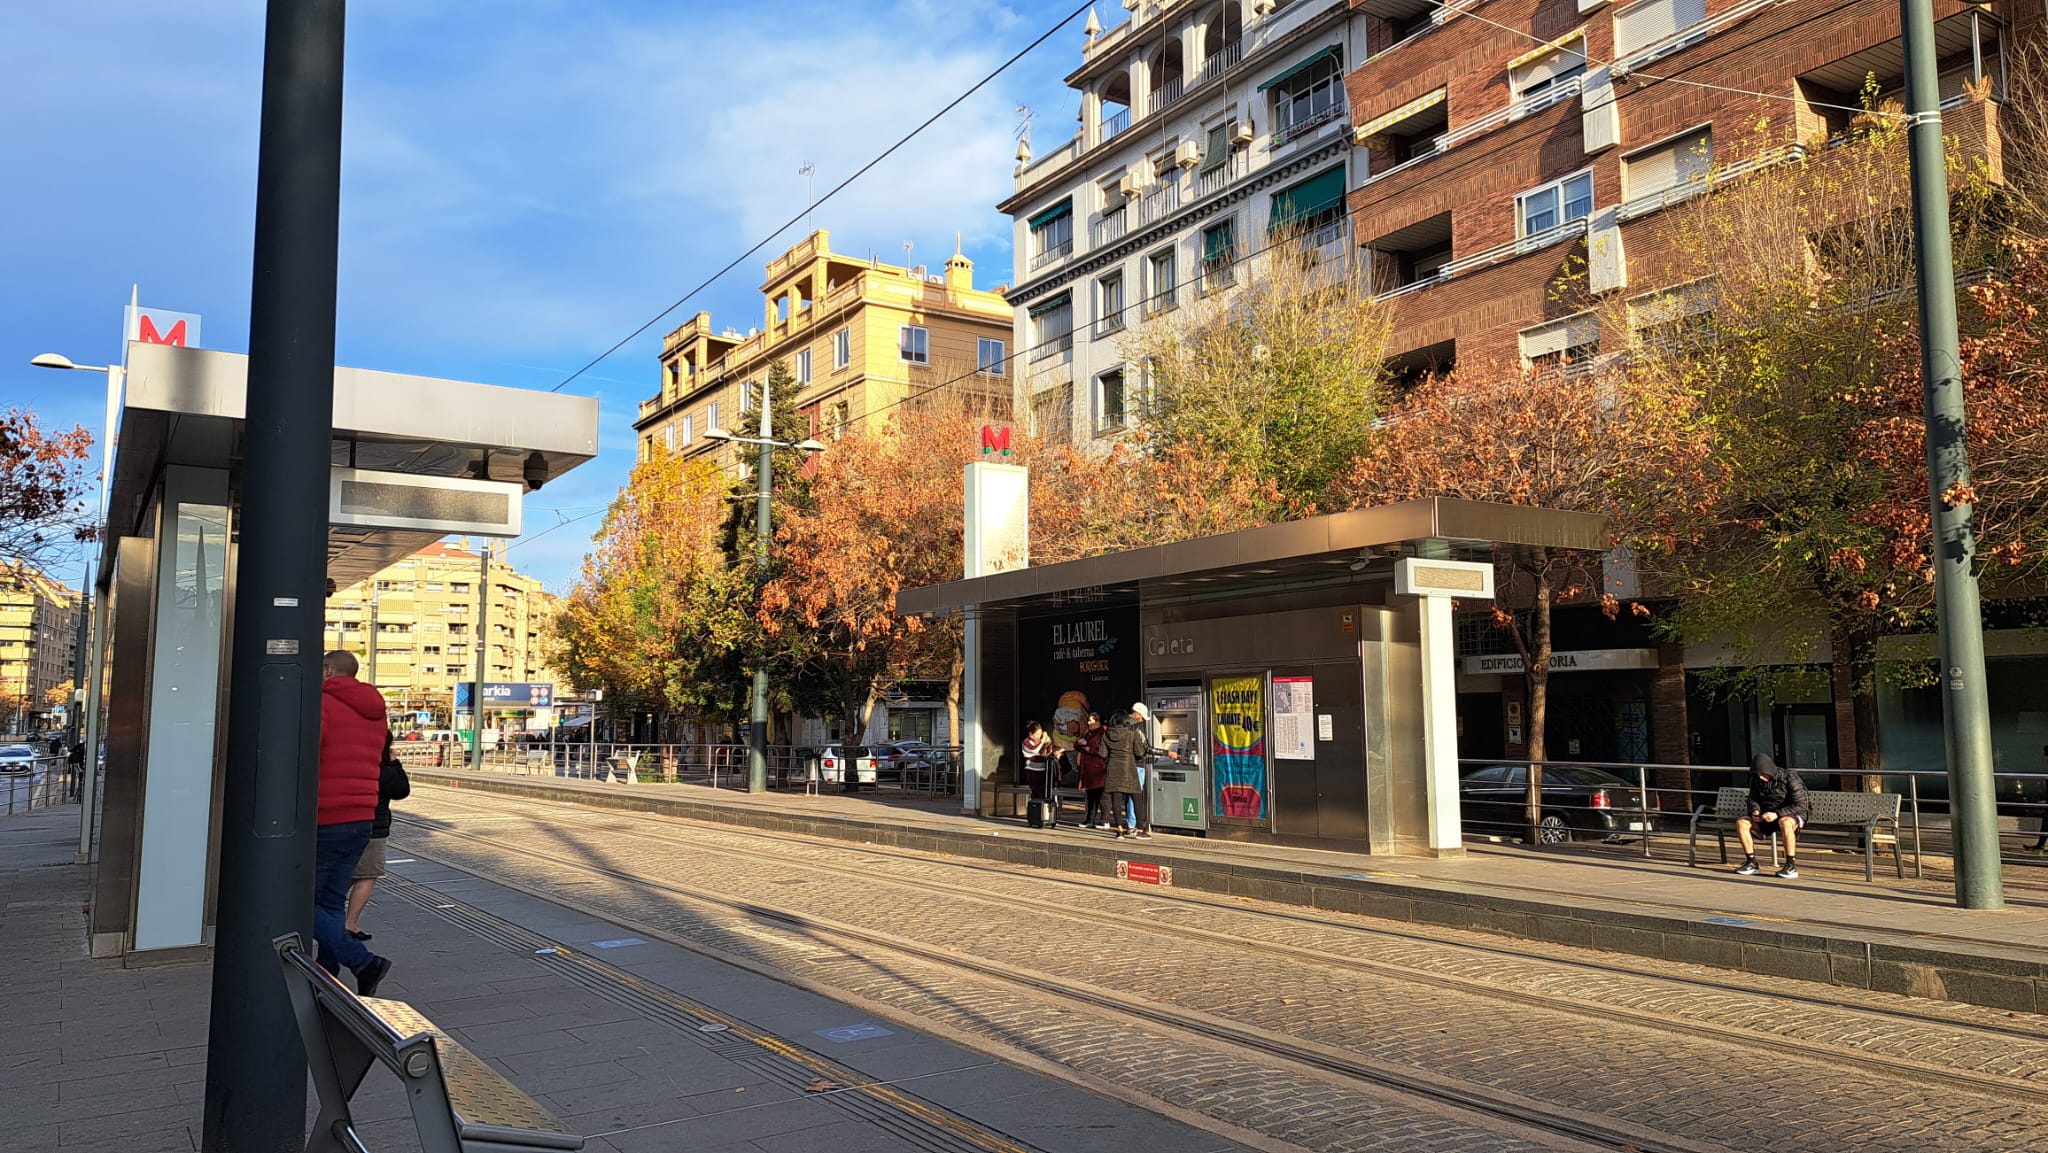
[[337, 848]]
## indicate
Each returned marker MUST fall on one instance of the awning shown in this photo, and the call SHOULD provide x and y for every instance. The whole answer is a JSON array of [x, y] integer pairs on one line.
[[1419, 104], [1217, 243], [1557, 45], [1312, 197], [1326, 54], [1060, 301], [1063, 208]]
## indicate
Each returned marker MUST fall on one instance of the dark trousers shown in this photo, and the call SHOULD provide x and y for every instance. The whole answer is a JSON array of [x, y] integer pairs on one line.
[[1035, 779], [336, 850], [1128, 810], [1098, 811]]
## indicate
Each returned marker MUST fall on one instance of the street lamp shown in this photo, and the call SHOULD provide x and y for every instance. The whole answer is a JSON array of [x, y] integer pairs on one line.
[[91, 655], [764, 475]]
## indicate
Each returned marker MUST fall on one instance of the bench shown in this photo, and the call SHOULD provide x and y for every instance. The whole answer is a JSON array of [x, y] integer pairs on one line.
[[459, 1104], [1873, 816]]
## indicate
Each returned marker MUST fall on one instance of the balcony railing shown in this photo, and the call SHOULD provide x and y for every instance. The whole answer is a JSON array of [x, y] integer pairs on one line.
[[1111, 322], [1057, 252], [1666, 197], [1439, 145], [1498, 253], [1307, 125], [1115, 123], [1687, 37], [1210, 181], [1164, 95], [1053, 346], [1110, 228], [1162, 199], [1162, 300], [1221, 61], [1445, 11]]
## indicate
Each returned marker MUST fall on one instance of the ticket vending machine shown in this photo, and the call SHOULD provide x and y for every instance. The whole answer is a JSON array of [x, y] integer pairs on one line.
[[1179, 785]]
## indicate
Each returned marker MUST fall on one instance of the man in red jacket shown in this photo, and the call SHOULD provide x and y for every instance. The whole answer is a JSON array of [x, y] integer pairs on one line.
[[352, 730]]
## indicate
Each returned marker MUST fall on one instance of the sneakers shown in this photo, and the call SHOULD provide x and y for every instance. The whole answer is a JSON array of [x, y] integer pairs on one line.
[[1748, 869], [1788, 872], [371, 975], [1141, 834]]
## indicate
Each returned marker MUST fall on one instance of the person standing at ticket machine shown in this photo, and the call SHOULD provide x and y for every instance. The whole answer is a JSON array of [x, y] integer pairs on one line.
[[1125, 747]]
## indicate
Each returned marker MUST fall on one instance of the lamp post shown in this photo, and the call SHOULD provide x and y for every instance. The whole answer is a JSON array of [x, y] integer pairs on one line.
[[95, 659], [764, 479], [1965, 702]]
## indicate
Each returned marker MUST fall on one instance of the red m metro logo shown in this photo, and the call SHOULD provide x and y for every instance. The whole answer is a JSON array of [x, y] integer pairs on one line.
[[995, 439], [162, 326], [146, 332]]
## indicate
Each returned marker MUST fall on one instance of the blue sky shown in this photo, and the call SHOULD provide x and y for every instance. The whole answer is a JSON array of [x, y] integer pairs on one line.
[[524, 181]]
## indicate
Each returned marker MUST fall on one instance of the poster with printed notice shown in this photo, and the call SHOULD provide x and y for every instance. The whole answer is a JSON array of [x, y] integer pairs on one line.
[[1294, 717], [1237, 736]]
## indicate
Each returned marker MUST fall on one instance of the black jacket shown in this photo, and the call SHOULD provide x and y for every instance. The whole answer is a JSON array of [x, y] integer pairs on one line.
[[392, 785], [1123, 746], [1784, 793]]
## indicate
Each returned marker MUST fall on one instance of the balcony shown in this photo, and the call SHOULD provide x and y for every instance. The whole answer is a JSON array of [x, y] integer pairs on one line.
[[1162, 301], [1307, 126], [1228, 57], [1666, 197], [1522, 246], [1163, 96], [1110, 228], [1159, 201], [1687, 37], [1211, 181], [1436, 146], [1056, 253], [1055, 346], [1115, 123]]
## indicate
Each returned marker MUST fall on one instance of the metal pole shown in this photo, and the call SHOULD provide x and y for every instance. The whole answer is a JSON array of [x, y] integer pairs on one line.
[[596, 696], [89, 788], [764, 479], [476, 695], [73, 709], [1966, 713], [374, 594], [255, 1065]]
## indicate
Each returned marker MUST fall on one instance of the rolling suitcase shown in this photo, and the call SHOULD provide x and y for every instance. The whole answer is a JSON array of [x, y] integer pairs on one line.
[[1040, 814]]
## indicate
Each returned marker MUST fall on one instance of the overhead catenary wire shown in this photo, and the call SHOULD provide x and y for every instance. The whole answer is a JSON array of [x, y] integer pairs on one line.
[[832, 192]]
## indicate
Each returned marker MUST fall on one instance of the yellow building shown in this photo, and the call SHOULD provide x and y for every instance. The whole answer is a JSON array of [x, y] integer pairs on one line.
[[858, 337], [424, 613], [38, 646]]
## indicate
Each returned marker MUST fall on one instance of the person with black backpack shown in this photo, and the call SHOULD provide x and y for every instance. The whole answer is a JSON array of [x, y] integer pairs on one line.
[[392, 785]]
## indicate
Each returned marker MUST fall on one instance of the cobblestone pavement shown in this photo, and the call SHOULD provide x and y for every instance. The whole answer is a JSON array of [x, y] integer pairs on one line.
[[1696, 1074]]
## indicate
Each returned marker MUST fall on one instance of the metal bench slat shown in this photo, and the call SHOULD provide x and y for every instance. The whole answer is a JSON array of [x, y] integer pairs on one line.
[[486, 1105]]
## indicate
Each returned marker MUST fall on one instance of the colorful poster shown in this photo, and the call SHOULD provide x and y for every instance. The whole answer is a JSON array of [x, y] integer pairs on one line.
[[1237, 735], [1294, 708]]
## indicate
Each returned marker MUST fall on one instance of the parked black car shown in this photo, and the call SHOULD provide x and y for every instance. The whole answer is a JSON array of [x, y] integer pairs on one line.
[[1579, 803]]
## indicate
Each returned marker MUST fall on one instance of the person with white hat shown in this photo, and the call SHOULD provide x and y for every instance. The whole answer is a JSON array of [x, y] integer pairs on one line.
[[1126, 749]]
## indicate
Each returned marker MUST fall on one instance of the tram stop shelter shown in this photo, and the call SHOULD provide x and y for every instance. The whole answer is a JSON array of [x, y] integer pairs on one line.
[[414, 459], [1304, 672]]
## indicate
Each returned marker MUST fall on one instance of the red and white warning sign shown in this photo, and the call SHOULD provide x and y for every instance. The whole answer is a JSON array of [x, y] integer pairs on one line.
[[1144, 872]]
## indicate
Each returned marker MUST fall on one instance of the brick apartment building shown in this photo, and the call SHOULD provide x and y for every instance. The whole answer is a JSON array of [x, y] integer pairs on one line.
[[1512, 141]]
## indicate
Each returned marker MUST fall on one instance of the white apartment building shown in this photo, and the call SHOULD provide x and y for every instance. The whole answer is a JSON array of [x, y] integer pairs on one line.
[[1206, 126]]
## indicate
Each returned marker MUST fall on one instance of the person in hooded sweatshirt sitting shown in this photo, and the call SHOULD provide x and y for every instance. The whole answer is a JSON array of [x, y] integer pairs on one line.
[[1777, 800], [352, 733]]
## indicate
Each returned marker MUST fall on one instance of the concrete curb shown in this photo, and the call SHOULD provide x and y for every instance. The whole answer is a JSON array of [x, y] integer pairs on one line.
[[1940, 969]]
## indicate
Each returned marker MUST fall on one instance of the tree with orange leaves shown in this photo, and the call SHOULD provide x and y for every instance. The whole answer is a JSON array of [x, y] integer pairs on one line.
[[1617, 445], [42, 484]]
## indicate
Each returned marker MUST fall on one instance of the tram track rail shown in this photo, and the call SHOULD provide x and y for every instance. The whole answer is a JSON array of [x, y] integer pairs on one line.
[[675, 837], [1327, 1062], [666, 828]]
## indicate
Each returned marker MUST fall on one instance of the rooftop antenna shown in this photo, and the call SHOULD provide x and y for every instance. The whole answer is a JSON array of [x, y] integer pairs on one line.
[[906, 256], [1024, 118], [808, 172]]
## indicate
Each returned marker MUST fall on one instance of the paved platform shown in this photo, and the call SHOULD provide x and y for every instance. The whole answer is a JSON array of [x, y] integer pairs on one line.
[[640, 1045], [1828, 926]]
